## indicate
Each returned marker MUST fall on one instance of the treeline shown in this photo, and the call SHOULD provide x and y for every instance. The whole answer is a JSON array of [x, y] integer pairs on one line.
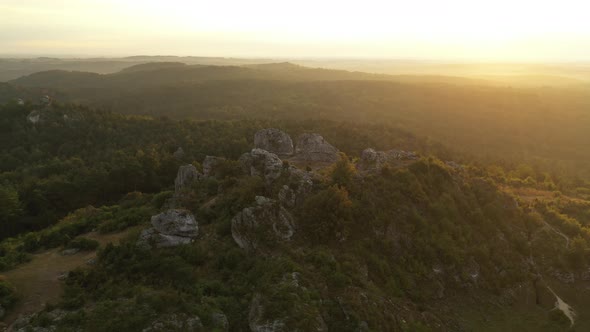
[[75, 156]]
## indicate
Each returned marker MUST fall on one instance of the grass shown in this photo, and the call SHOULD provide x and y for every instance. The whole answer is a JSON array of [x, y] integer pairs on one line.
[[37, 281]]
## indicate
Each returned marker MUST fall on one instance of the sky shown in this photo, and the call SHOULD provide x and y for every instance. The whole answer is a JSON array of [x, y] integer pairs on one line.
[[529, 30]]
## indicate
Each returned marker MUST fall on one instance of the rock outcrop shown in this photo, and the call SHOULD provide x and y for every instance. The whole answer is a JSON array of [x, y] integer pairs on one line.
[[374, 160], [210, 164], [266, 221], [300, 185], [171, 228], [34, 117], [187, 174], [314, 148], [274, 141], [262, 163]]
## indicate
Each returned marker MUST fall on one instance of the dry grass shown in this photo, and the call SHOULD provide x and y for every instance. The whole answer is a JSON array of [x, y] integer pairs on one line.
[[37, 281]]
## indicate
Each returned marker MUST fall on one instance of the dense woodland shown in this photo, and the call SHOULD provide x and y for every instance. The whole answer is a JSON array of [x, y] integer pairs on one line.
[[487, 205]]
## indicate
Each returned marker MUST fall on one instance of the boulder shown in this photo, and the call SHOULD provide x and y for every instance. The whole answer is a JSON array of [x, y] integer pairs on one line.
[[210, 164], [34, 117], [372, 160], [266, 221], [69, 252], [186, 175], [176, 222], [172, 228], [274, 141], [313, 148], [262, 163]]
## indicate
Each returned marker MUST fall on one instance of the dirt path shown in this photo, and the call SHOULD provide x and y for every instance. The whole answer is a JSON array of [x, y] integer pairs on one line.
[[37, 282]]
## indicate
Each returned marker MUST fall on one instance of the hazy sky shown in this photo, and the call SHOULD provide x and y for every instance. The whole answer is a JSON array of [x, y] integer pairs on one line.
[[431, 29]]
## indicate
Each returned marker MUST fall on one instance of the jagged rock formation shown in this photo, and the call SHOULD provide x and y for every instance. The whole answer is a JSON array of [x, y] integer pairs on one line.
[[266, 221], [210, 164], [374, 160], [171, 228], [314, 148], [262, 163], [300, 185], [274, 141], [186, 175]]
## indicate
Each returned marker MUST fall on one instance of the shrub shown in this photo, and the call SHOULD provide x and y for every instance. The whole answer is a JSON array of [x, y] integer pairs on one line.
[[83, 244]]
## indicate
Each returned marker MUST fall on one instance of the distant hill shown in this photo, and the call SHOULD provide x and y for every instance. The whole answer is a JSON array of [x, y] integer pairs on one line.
[[153, 66]]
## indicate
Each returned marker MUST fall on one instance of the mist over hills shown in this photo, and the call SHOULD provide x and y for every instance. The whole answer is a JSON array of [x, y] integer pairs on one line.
[[168, 195]]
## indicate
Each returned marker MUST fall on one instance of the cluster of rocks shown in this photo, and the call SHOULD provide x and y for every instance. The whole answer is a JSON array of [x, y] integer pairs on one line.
[[171, 228], [308, 148], [372, 160]]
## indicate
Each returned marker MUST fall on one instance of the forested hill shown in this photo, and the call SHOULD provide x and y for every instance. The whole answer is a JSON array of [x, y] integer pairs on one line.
[[539, 126], [401, 237]]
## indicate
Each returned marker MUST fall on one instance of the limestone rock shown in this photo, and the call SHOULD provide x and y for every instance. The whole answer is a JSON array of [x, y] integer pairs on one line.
[[172, 228], [210, 164], [374, 160], [274, 141], [187, 174], [314, 148], [176, 222], [300, 185], [34, 117], [262, 163], [265, 221], [69, 252]]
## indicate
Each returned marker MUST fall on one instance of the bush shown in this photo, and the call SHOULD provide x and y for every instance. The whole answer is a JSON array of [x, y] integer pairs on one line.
[[83, 244], [7, 294]]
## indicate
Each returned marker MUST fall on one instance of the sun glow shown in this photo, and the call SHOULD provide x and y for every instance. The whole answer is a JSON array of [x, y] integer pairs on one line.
[[502, 29]]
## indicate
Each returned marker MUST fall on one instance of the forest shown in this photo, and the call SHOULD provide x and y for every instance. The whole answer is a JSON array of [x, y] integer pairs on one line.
[[481, 229]]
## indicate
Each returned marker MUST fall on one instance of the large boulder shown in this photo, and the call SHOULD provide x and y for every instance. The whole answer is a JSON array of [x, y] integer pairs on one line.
[[262, 163], [374, 160], [171, 228], [176, 222], [187, 174], [266, 221], [314, 148], [274, 141]]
